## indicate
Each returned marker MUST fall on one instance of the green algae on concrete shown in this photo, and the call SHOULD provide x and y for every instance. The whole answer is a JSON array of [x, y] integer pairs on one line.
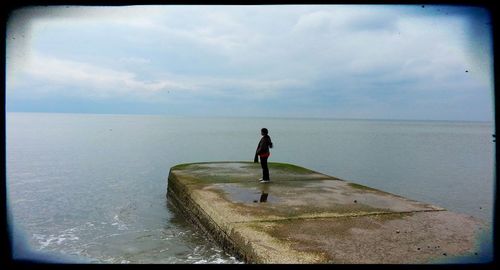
[[303, 216]]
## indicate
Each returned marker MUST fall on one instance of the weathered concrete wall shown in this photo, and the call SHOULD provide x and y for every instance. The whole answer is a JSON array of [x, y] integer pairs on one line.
[[304, 216]]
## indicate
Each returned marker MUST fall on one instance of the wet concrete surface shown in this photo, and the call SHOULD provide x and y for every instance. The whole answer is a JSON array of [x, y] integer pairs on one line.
[[303, 216]]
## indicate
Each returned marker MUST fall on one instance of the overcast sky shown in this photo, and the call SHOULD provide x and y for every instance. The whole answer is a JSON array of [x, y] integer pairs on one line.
[[368, 62]]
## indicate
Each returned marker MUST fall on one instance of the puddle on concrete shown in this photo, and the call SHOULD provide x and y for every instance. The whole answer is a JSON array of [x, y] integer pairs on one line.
[[240, 171], [237, 193], [226, 166]]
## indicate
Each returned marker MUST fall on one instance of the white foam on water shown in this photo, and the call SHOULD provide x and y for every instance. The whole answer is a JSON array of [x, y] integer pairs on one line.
[[46, 241], [121, 225]]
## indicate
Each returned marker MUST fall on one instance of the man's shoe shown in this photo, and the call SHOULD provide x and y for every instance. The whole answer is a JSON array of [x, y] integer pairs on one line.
[[264, 181]]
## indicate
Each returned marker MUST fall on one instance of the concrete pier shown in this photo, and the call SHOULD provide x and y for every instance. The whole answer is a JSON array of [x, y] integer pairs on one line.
[[303, 216]]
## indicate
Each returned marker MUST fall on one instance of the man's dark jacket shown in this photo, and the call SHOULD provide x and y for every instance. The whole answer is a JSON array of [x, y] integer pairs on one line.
[[263, 147]]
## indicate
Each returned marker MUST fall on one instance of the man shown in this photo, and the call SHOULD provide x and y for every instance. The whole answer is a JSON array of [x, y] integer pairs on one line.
[[263, 152]]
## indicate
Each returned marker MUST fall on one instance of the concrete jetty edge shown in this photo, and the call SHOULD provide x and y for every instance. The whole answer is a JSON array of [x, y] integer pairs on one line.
[[304, 216]]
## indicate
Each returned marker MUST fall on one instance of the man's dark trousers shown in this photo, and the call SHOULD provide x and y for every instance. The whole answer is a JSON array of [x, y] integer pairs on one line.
[[265, 169]]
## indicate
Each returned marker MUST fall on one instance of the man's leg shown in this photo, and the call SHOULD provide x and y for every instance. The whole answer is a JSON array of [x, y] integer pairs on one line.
[[265, 169]]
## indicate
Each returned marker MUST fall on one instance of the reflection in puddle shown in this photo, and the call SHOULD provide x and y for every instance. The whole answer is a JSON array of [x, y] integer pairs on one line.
[[263, 197], [264, 194], [238, 193]]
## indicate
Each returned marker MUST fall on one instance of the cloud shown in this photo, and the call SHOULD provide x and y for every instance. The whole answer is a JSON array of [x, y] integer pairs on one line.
[[84, 79], [135, 60], [347, 19], [67, 77], [250, 89]]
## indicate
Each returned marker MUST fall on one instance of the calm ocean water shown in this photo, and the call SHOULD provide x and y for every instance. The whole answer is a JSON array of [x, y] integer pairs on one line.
[[91, 188]]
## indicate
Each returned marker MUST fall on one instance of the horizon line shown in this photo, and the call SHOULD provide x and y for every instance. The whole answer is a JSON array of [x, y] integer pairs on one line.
[[265, 117]]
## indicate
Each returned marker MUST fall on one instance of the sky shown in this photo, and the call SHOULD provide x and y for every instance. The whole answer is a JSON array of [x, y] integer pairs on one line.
[[328, 61]]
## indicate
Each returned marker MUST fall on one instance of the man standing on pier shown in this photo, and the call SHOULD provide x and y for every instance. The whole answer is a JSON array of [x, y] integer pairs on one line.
[[263, 152]]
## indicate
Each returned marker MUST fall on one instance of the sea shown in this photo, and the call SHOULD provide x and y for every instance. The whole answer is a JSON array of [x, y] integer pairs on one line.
[[90, 188]]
